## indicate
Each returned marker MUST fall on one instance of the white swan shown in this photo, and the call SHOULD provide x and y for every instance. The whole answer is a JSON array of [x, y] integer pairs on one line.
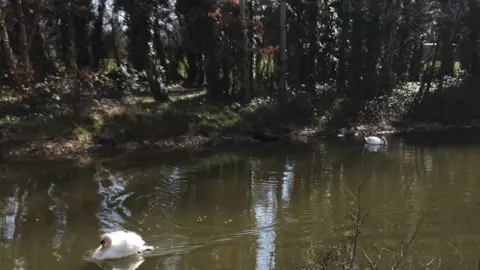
[[119, 244], [376, 140]]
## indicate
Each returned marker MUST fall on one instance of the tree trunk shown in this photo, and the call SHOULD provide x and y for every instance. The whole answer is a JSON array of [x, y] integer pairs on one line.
[[416, 62], [283, 47], [226, 82], [41, 59], [71, 54], [446, 53], [158, 93], [245, 63], [98, 51], [373, 46], [9, 57], [192, 70], [24, 47], [115, 45], [355, 64], [72, 64], [313, 48], [344, 33], [139, 35], [473, 24], [405, 46], [386, 73], [160, 50], [81, 11]]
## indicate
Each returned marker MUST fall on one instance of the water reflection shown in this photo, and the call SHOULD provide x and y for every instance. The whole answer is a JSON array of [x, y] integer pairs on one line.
[[112, 190], [375, 147], [59, 208], [10, 204], [252, 210], [128, 263], [264, 207]]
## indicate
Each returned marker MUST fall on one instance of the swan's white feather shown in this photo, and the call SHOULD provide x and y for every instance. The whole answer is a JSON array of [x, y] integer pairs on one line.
[[375, 140], [124, 243]]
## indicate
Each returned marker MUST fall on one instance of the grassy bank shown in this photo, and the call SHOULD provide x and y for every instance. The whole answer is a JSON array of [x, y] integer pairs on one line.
[[188, 121], [36, 128]]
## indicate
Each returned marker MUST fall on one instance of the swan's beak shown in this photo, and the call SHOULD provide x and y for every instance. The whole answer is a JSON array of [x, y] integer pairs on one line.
[[102, 245]]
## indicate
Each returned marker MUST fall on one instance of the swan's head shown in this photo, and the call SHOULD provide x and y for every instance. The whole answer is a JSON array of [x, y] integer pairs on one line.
[[105, 242], [384, 140]]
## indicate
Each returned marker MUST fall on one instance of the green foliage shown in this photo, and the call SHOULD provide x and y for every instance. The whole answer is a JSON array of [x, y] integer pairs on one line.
[[79, 130], [267, 64], [108, 65], [182, 68], [392, 107], [429, 64]]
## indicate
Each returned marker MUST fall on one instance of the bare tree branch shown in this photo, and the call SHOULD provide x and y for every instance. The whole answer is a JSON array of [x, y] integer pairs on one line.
[[409, 243]]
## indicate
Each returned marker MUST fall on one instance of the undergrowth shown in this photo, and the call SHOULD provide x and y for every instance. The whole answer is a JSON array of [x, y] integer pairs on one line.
[[350, 255], [116, 108], [456, 104]]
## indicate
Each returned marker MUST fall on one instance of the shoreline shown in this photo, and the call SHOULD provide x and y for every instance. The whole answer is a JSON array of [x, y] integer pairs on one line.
[[71, 149], [190, 123]]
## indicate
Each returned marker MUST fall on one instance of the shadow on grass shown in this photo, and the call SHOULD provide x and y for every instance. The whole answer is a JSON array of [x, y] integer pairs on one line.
[[146, 121], [198, 116], [455, 105], [41, 129]]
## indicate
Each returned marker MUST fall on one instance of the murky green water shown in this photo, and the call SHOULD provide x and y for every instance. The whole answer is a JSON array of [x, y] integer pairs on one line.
[[260, 208]]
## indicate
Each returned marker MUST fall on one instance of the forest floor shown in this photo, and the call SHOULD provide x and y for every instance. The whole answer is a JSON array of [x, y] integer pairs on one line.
[[189, 122]]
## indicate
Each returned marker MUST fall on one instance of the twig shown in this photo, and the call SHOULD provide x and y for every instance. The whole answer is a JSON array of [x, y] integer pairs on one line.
[[404, 251], [430, 262], [370, 262], [458, 252], [386, 249], [357, 224], [425, 265]]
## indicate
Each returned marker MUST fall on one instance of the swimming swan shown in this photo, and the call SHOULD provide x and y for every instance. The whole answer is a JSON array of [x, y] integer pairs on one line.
[[376, 140], [119, 244]]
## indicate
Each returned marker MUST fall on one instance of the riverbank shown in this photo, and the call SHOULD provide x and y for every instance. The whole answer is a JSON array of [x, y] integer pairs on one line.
[[187, 123], [190, 123]]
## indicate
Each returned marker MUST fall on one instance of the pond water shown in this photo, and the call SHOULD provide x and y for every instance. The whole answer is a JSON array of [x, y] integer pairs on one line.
[[267, 207]]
